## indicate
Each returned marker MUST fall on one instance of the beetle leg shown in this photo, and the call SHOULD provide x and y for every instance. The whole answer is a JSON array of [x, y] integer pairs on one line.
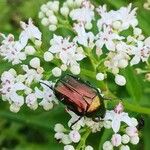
[[76, 121]]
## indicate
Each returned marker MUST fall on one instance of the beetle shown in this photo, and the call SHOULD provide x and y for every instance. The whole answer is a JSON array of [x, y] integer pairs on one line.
[[80, 97]]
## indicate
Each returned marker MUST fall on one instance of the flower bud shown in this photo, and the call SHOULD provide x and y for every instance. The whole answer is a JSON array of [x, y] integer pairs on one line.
[[123, 63], [116, 140], [134, 140], [78, 2], [53, 19], [89, 147], [13, 71], [107, 146], [44, 8], [124, 147], [134, 121], [66, 139], [125, 139], [147, 41], [88, 26], [58, 135], [30, 50], [69, 147], [38, 43], [14, 108], [120, 80], [63, 67], [116, 25], [131, 131], [64, 11], [74, 136], [70, 3], [35, 62], [55, 6], [48, 56], [56, 72], [52, 27], [137, 31], [107, 124], [41, 15], [59, 128], [45, 22], [75, 69], [100, 76]]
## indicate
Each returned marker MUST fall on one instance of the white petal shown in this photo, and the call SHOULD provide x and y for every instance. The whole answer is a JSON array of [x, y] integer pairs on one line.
[[135, 60], [125, 118], [116, 124]]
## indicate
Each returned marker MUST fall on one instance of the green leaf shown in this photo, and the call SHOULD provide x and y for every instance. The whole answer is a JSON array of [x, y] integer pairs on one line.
[[133, 85]]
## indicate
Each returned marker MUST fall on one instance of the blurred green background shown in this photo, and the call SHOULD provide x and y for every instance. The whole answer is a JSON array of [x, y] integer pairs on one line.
[[29, 129]]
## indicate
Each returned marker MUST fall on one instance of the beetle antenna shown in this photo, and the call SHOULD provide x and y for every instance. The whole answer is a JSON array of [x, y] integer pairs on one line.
[[76, 121], [47, 85]]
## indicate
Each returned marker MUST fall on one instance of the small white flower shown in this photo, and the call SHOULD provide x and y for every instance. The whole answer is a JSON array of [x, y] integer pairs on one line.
[[141, 52], [67, 51], [46, 95], [84, 14], [120, 80], [107, 146], [56, 72], [29, 32], [31, 75], [12, 50], [107, 38], [116, 140], [31, 101], [117, 116], [84, 38], [69, 147]]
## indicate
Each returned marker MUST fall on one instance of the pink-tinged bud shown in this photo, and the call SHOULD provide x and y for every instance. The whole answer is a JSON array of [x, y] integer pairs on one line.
[[119, 108], [116, 140], [132, 131]]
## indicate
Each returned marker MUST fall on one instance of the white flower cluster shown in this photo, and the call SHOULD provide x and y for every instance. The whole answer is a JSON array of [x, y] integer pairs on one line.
[[113, 120], [16, 51], [52, 15], [18, 89], [120, 50], [74, 135], [68, 52]]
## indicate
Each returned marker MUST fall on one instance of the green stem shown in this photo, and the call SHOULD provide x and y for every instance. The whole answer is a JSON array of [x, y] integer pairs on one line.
[[81, 145]]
